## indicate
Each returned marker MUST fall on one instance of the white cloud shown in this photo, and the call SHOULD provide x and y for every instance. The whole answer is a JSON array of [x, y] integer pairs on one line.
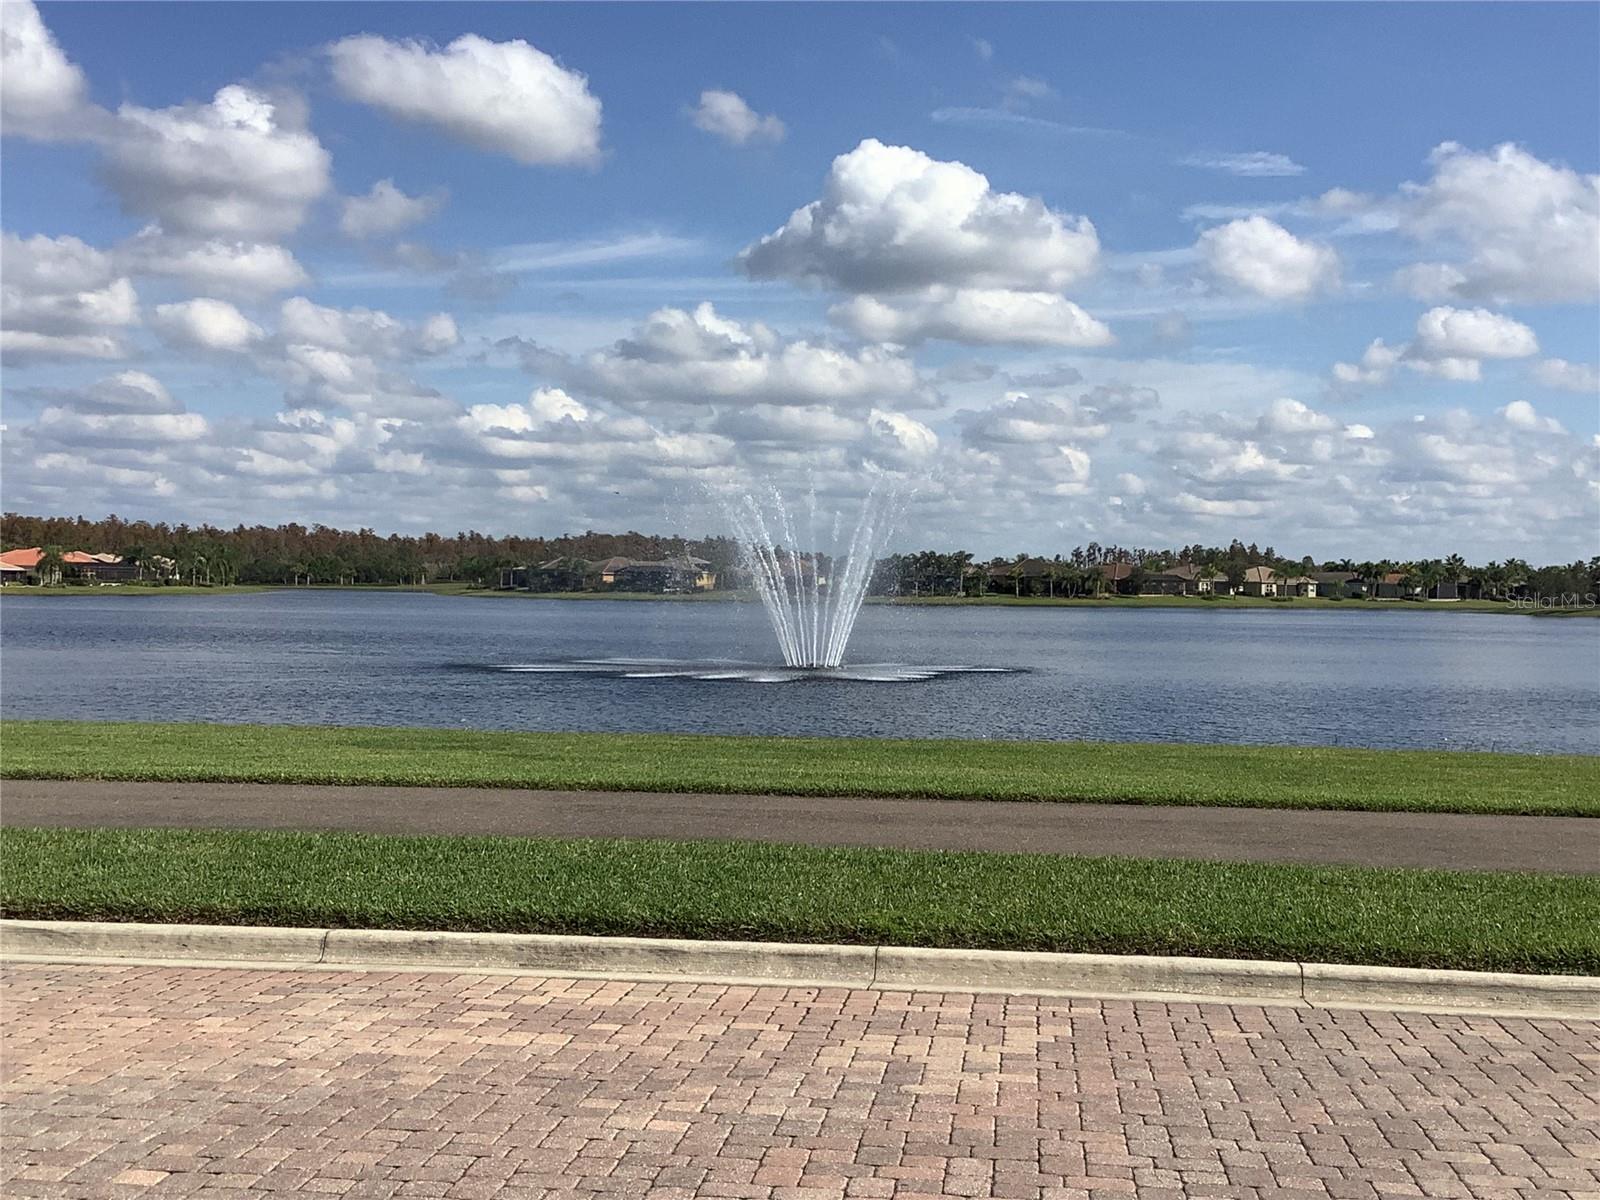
[[1291, 416], [1263, 257], [1022, 420], [727, 116], [386, 209], [704, 358], [1450, 343], [1519, 414], [1445, 333], [234, 168], [43, 95], [347, 359], [213, 264], [72, 426], [127, 392], [1529, 230], [205, 324], [504, 97], [1251, 164], [1566, 376], [364, 330], [977, 316], [61, 299], [892, 219]]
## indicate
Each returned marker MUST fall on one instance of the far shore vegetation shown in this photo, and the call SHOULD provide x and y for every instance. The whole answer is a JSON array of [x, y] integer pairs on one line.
[[77, 553], [754, 891], [1105, 772]]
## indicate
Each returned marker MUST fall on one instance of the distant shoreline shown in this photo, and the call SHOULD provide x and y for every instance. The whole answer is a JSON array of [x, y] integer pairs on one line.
[[1215, 604]]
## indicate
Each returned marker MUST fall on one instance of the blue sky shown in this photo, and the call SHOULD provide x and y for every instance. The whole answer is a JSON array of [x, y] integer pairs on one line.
[[1076, 271]]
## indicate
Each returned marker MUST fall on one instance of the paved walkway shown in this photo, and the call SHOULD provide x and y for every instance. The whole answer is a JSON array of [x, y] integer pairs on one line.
[[143, 1081], [1563, 845]]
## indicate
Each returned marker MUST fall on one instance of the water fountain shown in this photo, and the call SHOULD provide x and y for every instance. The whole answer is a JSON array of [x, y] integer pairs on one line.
[[814, 596], [811, 587]]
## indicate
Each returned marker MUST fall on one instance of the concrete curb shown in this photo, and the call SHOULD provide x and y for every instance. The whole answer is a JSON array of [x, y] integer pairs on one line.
[[896, 968]]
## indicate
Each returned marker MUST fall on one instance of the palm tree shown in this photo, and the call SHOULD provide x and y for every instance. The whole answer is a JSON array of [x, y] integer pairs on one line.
[[51, 561]]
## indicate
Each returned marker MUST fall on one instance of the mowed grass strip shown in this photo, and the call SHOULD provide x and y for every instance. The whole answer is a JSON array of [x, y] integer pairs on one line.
[[1137, 773], [767, 892]]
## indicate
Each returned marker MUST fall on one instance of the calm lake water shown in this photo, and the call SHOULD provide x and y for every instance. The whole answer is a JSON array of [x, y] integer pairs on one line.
[[1368, 678]]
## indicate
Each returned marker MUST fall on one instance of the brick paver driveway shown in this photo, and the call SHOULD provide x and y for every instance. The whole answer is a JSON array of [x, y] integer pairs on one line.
[[130, 1080]]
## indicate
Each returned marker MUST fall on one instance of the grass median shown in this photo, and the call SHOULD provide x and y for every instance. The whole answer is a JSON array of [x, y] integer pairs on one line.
[[1132, 773], [1477, 921]]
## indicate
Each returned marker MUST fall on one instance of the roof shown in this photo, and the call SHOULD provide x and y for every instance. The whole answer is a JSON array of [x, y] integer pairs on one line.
[[1116, 570], [1184, 571], [1334, 576], [30, 558], [1298, 580], [1395, 577], [1260, 575]]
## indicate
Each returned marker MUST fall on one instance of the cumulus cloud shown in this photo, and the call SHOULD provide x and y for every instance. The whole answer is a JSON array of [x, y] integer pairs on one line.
[[508, 98], [205, 324], [1477, 333], [62, 299], [1261, 256], [1528, 230], [43, 94], [701, 357], [348, 359], [977, 316], [212, 264], [1450, 343], [235, 168], [1519, 414], [1251, 164], [130, 392], [727, 116], [1566, 376], [128, 409], [892, 219], [386, 209], [364, 330], [1021, 420]]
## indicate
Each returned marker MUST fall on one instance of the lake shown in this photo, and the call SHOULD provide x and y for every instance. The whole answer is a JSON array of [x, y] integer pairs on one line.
[[1375, 677]]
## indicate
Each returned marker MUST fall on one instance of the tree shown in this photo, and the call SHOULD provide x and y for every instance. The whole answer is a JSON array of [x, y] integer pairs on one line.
[[51, 562]]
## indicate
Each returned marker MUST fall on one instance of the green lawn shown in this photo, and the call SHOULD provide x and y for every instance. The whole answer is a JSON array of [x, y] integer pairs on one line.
[[1250, 776], [1483, 921]]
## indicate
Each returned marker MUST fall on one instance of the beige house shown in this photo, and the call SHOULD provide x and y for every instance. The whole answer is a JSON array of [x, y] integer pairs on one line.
[[1260, 581], [1298, 585]]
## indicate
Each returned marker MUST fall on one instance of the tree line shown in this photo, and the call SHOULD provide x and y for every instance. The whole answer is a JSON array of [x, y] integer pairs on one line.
[[320, 554]]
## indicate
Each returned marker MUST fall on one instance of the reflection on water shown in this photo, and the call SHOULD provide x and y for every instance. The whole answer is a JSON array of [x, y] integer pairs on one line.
[[728, 671], [1368, 676]]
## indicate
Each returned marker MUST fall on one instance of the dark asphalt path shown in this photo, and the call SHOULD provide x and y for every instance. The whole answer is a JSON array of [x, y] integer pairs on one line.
[[1563, 845]]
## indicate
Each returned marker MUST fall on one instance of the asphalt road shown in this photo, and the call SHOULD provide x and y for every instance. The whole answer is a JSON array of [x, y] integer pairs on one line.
[[1562, 845]]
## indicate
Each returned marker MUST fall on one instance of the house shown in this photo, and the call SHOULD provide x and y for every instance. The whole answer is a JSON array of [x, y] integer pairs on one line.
[[1260, 581], [102, 567], [1185, 579], [22, 566], [1213, 583], [1393, 586], [1116, 577], [1298, 585], [609, 568], [686, 574], [1030, 577], [513, 579], [1340, 584]]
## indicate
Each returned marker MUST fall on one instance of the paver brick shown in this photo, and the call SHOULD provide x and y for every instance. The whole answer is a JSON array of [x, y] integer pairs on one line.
[[168, 1082]]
